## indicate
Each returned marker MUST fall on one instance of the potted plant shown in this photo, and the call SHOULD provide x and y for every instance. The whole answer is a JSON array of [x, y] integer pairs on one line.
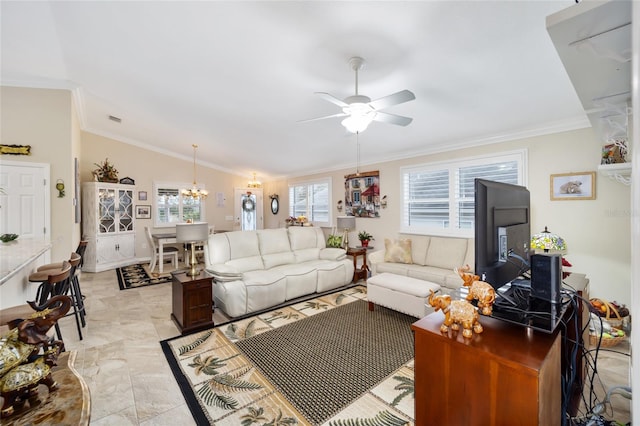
[[364, 238]]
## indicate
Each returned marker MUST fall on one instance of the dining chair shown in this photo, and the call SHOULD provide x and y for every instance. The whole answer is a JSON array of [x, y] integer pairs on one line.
[[167, 251]]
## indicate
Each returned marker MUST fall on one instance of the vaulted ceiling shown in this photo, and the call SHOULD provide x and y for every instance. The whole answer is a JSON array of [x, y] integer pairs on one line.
[[237, 77]]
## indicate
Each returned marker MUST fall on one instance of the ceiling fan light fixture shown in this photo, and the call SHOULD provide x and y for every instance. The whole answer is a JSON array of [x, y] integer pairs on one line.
[[358, 123]]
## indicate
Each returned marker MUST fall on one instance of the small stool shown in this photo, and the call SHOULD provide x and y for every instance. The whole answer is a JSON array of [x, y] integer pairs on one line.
[[400, 293]]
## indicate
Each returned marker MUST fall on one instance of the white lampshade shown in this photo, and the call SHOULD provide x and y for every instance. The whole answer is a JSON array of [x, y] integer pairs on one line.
[[192, 232], [346, 222]]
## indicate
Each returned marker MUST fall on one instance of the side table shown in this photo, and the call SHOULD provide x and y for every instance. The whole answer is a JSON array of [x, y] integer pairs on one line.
[[361, 273], [192, 301]]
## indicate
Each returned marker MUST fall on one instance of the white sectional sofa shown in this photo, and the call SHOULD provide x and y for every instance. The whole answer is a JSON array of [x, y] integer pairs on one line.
[[256, 270], [430, 259]]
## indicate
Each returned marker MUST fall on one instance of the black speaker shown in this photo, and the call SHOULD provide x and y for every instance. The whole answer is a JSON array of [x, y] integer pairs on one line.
[[546, 277]]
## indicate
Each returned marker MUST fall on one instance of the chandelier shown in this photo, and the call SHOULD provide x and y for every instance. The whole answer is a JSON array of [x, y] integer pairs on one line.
[[254, 183], [195, 192]]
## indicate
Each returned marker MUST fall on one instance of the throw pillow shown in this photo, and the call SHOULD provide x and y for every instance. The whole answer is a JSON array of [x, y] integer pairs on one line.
[[398, 251]]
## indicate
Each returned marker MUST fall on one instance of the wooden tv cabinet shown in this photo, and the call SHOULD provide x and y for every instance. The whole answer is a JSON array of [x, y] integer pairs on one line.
[[506, 374]]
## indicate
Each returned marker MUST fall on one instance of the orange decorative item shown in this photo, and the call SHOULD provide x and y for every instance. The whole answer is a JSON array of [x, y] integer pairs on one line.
[[456, 313], [480, 290]]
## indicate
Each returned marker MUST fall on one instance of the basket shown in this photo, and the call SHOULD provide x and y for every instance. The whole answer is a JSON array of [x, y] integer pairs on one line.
[[612, 316], [605, 342]]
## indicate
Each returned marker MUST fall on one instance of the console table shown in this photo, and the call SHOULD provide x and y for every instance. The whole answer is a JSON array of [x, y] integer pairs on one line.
[[506, 374], [192, 299]]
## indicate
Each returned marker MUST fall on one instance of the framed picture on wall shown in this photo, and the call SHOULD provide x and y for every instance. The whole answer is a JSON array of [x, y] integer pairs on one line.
[[142, 195], [573, 186], [143, 212]]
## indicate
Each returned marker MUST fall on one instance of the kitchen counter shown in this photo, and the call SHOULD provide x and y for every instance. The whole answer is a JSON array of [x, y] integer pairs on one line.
[[17, 254]]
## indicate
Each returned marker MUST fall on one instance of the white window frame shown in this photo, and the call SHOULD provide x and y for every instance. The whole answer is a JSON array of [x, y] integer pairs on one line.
[[323, 181], [520, 156], [173, 186]]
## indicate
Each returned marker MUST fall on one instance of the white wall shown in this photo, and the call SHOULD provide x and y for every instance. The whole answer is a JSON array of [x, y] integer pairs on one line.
[[45, 120], [597, 231]]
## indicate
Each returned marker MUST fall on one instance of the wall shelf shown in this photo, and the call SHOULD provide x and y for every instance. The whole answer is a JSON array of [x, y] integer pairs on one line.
[[620, 172]]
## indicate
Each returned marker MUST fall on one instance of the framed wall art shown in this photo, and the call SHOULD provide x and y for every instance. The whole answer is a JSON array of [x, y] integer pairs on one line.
[[362, 194], [573, 186], [143, 212], [142, 195]]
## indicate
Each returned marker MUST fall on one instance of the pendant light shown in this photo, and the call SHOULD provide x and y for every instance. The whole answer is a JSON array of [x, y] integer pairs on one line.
[[195, 192]]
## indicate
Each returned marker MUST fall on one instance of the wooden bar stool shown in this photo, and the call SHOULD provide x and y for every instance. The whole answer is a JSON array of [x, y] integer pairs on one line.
[[74, 288], [57, 280], [82, 247]]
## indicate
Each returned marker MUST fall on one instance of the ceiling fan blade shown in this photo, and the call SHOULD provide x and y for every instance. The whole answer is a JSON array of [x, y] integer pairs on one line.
[[385, 117], [394, 99], [332, 99], [341, 114]]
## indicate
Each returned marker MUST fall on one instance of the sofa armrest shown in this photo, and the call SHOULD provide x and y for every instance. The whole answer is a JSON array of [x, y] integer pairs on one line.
[[224, 270], [331, 253], [373, 259]]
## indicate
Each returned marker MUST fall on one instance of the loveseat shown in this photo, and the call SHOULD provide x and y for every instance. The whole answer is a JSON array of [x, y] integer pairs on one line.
[[425, 257], [256, 270]]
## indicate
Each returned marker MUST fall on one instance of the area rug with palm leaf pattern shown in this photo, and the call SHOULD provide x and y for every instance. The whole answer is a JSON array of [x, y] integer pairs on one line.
[[325, 361]]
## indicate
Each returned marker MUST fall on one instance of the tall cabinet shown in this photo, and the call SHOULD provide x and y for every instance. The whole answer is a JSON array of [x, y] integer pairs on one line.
[[108, 225]]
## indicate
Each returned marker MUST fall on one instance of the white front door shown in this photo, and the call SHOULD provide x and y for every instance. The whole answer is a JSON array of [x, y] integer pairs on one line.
[[24, 199], [248, 209]]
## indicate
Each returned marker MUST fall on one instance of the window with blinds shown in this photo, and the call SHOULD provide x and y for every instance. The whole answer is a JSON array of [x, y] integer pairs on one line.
[[439, 198], [171, 207], [311, 199]]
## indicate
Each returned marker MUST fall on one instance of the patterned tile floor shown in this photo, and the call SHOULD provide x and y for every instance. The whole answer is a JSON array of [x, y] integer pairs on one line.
[[126, 371]]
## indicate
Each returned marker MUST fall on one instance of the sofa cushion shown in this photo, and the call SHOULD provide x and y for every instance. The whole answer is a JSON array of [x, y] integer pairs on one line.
[[304, 237], [419, 248], [446, 253], [306, 255], [274, 247], [397, 251]]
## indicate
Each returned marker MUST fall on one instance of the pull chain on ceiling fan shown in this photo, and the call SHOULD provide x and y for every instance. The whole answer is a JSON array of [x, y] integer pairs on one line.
[[360, 110]]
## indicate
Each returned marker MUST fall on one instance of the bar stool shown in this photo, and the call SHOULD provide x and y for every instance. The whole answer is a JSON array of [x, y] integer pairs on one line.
[[76, 293], [82, 246], [57, 280], [71, 287]]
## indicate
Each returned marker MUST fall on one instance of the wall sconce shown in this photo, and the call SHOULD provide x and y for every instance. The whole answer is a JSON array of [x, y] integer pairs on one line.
[[339, 205], [60, 188], [383, 202]]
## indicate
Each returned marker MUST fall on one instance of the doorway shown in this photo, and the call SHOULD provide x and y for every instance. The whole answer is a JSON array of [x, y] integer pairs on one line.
[[25, 208], [248, 209]]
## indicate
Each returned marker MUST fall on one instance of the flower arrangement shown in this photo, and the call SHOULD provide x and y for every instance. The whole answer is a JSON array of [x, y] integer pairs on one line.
[[105, 172]]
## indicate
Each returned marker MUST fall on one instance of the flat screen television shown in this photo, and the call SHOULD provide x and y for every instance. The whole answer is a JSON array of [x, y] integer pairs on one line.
[[502, 231]]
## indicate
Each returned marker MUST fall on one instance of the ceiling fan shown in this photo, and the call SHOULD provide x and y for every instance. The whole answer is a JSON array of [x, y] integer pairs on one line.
[[360, 110]]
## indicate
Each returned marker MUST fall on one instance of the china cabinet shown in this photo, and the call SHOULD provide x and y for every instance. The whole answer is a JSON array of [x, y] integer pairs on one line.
[[108, 225]]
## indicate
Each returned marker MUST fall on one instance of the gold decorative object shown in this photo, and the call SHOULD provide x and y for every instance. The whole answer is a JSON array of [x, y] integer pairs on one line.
[[15, 149], [481, 291], [456, 313], [27, 355]]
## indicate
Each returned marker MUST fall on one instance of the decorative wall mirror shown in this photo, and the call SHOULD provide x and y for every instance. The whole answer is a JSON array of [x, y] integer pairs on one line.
[[275, 203]]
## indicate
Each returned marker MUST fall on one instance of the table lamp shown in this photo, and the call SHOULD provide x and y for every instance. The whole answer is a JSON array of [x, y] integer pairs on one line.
[[192, 233], [546, 240], [346, 223]]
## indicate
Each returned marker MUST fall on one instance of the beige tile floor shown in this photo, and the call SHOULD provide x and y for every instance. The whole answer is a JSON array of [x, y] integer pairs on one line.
[[127, 373]]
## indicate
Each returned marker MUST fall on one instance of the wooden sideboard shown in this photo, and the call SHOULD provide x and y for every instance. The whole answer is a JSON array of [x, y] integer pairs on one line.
[[508, 374]]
